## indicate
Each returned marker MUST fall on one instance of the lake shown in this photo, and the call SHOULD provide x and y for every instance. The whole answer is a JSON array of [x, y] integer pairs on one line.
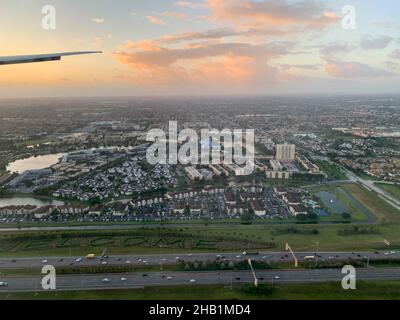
[[331, 202], [23, 201], [34, 163]]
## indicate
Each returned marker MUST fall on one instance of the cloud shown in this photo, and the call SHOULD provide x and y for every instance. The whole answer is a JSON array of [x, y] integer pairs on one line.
[[311, 67], [395, 54], [251, 13], [176, 15], [370, 43], [155, 20], [98, 41], [332, 49], [221, 33], [338, 69], [99, 20], [190, 4], [204, 35], [207, 64]]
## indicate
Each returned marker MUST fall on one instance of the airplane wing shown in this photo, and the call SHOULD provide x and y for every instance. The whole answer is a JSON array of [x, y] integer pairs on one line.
[[40, 57]]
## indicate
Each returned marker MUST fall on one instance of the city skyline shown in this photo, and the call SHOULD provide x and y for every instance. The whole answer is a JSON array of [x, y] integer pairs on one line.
[[203, 47]]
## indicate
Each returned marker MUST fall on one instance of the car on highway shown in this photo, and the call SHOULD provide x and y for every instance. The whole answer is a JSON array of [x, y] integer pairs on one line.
[[277, 277], [169, 278], [128, 262], [105, 280], [124, 279], [3, 284], [44, 261], [104, 262], [192, 281], [78, 260]]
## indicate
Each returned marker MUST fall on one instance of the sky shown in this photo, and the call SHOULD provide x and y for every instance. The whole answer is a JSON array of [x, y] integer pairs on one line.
[[202, 47]]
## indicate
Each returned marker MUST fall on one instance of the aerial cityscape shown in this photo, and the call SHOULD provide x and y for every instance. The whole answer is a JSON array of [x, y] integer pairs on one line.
[[192, 163]]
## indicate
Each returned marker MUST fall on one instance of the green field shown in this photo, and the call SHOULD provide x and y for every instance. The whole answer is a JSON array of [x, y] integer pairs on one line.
[[382, 210], [380, 290], [331, 170]]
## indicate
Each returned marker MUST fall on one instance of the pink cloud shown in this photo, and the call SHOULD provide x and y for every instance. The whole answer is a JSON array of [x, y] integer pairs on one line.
[[339, 69], [155, 20], [247, 13], [223, 64]]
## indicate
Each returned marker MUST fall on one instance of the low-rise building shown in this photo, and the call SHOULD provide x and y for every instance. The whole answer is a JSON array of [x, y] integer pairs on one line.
[[193, 173], [96, 210], [43, 212], [17, 210], [179, 208], [258, 207], [298, 209]]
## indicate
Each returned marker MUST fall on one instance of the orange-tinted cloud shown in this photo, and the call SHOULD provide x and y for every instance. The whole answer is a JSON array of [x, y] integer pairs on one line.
[[251, 13], [236, 54], [155, 20], [223, 64]]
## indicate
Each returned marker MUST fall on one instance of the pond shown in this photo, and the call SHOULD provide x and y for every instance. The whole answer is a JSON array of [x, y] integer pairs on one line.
[[331, 202], [34, 163]]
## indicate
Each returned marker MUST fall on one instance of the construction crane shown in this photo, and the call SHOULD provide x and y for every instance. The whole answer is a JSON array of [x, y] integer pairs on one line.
[[296, 261], [253, 272]]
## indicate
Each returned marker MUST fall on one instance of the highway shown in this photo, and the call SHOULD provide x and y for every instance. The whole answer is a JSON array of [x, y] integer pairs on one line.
[[170, 259], [139, 280], [370, 185]]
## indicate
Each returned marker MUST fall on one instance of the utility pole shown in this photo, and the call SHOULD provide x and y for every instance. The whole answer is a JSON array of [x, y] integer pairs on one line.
[[161, 266]]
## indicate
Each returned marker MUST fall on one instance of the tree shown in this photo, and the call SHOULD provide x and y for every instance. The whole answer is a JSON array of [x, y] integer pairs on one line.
[[346, 215], [246, 217]]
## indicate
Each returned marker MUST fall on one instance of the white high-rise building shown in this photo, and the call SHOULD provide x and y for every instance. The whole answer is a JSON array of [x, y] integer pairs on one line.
[[285, 152]]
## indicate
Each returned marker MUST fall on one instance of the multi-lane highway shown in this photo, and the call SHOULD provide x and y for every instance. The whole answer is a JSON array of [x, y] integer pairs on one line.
[[135, 280], [138, 280], [168, 259]]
